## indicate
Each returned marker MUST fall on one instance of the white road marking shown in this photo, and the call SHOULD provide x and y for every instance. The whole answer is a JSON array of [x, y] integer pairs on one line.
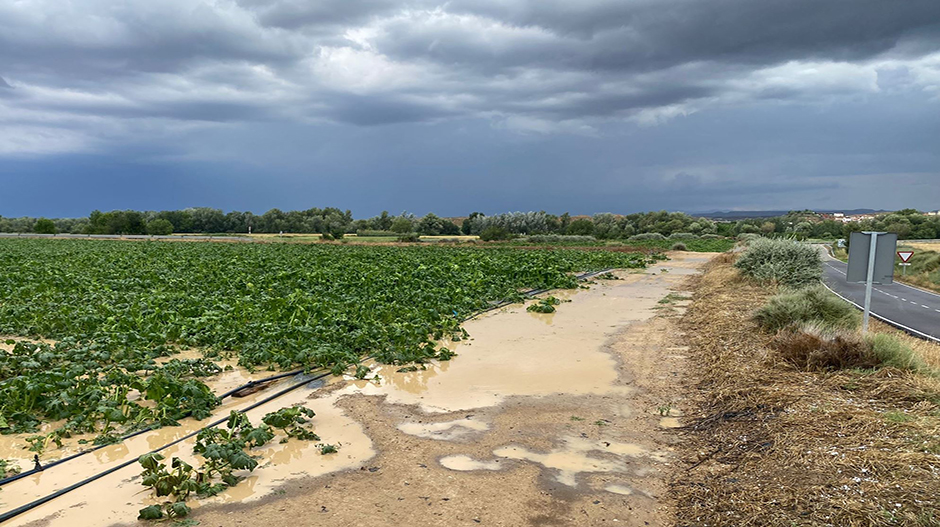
[[925, 307]]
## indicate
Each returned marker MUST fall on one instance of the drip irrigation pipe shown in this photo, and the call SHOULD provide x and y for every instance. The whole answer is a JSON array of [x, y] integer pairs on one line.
[[33, 504], [45, 499]]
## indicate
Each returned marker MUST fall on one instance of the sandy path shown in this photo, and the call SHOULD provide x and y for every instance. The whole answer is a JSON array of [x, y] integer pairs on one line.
[[540, 420]]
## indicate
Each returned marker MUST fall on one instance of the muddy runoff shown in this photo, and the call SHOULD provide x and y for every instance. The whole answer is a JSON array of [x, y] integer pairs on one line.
[[511, 354]]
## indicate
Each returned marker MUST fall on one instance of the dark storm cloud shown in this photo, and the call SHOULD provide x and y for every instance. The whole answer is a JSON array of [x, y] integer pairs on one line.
[[165, 80]]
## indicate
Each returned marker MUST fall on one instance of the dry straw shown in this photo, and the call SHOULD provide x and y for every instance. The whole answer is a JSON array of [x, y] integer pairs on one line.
[[775, 444]]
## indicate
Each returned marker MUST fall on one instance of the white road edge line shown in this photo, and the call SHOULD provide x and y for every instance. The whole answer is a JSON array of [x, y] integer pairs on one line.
[[884, 319]]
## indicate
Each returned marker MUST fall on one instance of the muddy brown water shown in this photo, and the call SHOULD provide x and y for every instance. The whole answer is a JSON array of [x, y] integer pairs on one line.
[[512, 355]]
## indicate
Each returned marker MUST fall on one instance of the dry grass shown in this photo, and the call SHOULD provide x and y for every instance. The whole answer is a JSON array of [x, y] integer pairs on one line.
[[773, 444], [925, 246]]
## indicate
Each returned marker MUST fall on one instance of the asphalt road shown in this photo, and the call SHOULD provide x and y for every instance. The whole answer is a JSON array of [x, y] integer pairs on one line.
[[913, 310]]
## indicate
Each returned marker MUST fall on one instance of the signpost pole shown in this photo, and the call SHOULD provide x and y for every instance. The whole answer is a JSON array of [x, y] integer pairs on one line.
[[868, 282]]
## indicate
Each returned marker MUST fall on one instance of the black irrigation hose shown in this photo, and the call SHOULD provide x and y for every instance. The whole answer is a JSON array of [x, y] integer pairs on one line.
[[150, 428], [24, 508], [33, 504]]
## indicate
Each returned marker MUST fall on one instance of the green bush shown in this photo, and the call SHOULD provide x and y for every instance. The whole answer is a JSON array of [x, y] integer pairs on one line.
[[560, 238], [495, 233], [679, 247], [892, 352], [646, 236], [748, 237], [682, 236], [782, 261], [808, 305], [410, 237], [44, 226], [159, 227]]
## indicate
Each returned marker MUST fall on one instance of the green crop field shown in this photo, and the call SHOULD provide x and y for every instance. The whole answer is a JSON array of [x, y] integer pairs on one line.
[[113, 307]]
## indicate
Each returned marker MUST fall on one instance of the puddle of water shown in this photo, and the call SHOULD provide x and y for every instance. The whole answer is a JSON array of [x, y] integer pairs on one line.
[[117, 497], [445, 431], [619, 489], [571, 458], [519, 354], [464, 463]]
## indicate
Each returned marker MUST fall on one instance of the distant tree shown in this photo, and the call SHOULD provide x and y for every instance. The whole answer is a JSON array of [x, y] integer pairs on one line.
[[402, 224], [495, 233], [159, 227], [768, 227], [583, 227], [44, 226]]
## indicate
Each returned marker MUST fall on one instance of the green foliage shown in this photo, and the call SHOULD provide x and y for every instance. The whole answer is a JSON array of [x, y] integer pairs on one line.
[[545, 305], [118, 307], [563, 239], [646, 236], [495, 233], [893, 353], [402, 225], [409, 237], [159, 227], [581, 227], [44, 226], [224, 453], [807, 305], [290, 421], [781, 261], [679, 247], [328, 449]]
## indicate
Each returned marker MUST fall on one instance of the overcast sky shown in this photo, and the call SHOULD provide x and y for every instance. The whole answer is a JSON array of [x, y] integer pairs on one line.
[[491, 105]]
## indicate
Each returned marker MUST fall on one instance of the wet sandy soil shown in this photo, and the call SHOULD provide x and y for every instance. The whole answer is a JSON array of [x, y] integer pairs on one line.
[[558, 419]]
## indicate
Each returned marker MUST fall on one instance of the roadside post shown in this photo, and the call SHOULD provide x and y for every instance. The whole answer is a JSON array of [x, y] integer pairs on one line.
[[871, 260], [905, 256]]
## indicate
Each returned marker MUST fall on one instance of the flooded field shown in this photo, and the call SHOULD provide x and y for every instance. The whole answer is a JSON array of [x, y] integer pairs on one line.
[[542, 401]]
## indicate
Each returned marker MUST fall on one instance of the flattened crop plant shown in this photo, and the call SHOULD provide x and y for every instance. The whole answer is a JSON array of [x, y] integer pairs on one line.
[[113, 308]]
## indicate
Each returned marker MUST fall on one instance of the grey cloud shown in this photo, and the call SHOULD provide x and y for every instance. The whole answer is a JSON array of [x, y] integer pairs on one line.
[[522, 63]]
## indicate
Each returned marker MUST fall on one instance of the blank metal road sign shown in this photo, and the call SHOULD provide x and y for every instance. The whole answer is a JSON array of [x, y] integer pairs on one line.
[[885, 249]]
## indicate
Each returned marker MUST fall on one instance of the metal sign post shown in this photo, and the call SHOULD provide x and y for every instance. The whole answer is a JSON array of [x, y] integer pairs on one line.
[[868, 280], [871, 260], [905, 257]]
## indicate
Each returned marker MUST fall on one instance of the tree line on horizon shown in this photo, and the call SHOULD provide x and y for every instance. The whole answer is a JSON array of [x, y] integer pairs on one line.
[[908, 223]]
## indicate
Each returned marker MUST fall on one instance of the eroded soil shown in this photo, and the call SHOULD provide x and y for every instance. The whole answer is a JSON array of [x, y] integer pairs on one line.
[[558, 419]]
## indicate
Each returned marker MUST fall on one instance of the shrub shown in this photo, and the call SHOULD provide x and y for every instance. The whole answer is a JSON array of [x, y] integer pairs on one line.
[[892, 352], [646, 236], [748, 237], [327, 237], [581, 226], [160, 227], [781, 261], [410, 237], [709, 236], [682, 236], [495, 233], [808, 305], [44, 226], [679, 246], [560, 238], [813, 347]]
